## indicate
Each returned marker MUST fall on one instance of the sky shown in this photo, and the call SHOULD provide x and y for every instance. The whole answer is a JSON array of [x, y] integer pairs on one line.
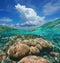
[[28, 13]]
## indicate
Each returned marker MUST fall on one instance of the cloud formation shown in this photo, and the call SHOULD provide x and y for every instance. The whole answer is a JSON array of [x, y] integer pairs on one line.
[[4, 19], [29, 15], [51, 8]]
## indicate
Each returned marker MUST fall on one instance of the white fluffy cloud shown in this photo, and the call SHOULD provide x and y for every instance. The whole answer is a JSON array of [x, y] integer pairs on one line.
[[5, 19], [51, 8], [29, 15]]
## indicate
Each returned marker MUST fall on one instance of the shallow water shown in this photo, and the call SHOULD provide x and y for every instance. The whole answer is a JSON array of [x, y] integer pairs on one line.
[[50, 31]]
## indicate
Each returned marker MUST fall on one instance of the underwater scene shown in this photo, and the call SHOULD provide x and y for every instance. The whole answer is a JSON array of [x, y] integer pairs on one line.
[[29, 31], [43, 42]]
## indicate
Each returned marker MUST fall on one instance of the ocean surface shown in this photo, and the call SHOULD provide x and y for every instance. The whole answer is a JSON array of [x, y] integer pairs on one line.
[[49, 31]]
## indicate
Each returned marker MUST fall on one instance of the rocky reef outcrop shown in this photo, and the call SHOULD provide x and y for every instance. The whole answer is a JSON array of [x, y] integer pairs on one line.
[[2, 56], [25, 47], [29, 49], [17, 51], [33, 59]]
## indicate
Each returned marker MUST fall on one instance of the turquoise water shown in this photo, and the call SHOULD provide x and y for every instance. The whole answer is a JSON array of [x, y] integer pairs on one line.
[[50, 31]]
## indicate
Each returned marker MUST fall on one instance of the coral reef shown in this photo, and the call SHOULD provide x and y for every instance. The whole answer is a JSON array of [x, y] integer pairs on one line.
[[33, 59], [18, 50], [29, 47], [2, 56]]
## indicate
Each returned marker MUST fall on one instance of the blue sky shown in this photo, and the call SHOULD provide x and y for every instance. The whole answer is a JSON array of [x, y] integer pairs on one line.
[[28, 13]]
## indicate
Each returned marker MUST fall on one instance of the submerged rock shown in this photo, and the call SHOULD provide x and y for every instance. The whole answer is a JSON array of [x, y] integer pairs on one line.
[[34, 50], [52, 53], [7, 60], [33, 59], [18, 51], [57, 58], [24, 47], [46, 44], [2, 56]]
